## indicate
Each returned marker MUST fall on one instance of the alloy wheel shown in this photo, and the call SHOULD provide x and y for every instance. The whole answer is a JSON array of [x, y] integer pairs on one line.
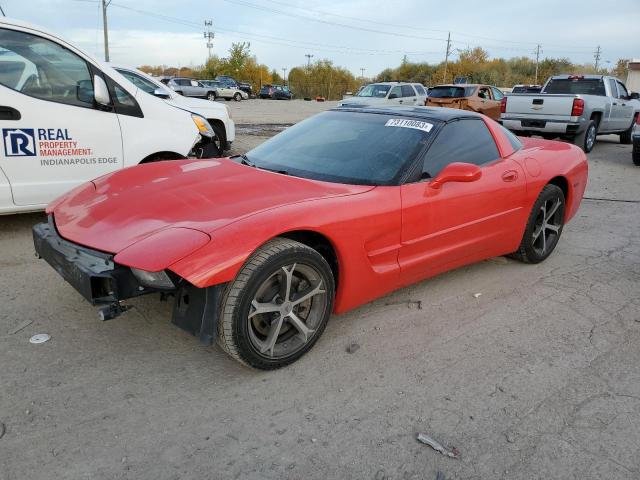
[[547, 227], [286, 310]]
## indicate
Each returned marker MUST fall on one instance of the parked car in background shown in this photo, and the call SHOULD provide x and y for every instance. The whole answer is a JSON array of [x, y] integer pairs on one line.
[[275, 92], [483, 99], [574, 107], [246, 87], [217, 114], [389, 93], [190, 88], [227, 81], [66, 119], [526, 89], [225, 91], [258, 250], [635, 138]]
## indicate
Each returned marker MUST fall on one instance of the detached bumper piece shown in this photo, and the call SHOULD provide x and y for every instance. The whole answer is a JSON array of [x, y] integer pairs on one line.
[[92, 273]]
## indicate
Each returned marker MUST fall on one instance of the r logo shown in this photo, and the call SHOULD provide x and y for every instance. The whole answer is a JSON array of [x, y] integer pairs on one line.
[[19, 142]]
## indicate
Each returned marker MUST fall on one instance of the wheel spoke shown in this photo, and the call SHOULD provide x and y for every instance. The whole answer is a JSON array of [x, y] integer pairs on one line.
[[537, 232], [553, 210], [553, 228], [270, 342], [299, 325], [285, 287], [263, 307], [544, 241], [311, 292]]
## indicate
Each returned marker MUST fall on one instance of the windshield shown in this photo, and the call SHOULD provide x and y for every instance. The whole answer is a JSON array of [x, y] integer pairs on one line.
[[374, 90], [585, 86], [345, 147], [451, 92], [142, 83]]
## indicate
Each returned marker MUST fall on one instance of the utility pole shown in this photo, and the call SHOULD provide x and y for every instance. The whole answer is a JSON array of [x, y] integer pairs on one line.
[[284, 76], [446, 58], [362, 72], [309, 57], [596, 57], [209, 35], [538, 51], [105, 4]]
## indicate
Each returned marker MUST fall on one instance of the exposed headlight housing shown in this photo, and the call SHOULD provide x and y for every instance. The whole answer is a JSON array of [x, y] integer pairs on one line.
[[153, 279], [203, 126]]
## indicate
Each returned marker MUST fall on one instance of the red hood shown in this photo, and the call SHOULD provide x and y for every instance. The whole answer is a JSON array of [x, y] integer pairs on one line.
[[205, 195]]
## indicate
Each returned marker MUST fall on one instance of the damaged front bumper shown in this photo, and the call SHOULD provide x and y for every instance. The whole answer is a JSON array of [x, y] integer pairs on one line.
[[92, 273]]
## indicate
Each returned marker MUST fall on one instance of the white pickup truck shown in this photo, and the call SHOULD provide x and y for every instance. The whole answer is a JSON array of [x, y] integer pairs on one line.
[[573, 107]]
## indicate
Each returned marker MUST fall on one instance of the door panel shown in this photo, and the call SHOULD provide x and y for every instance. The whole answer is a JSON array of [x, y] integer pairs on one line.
[[461, 222]]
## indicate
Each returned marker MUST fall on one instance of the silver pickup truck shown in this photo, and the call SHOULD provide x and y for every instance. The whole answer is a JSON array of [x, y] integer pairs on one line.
[[573, 107]]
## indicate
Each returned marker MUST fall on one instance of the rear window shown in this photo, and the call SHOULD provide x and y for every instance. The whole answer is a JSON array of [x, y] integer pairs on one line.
[[451, 92], [586, 86], [374, 90]]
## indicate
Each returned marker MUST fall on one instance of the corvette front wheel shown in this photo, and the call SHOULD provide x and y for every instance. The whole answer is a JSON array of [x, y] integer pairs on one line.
[[278, 305], [544, 227]]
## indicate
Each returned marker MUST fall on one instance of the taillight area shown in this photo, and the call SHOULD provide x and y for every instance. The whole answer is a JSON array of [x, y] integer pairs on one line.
[[637, 119], [578, 107], [503, 105]]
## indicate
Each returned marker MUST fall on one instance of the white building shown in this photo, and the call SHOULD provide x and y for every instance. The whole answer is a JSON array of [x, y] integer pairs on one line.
[[633, 77]]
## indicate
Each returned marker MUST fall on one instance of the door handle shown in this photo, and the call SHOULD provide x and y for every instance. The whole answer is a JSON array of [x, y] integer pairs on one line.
[[510, 176], [399, 101], [614, 103], [9, 113]]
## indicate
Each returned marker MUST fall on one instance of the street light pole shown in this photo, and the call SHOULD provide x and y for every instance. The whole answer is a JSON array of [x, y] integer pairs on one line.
[[105, 27]]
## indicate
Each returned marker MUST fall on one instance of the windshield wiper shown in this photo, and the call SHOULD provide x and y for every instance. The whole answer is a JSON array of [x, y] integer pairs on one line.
[[245, 161]]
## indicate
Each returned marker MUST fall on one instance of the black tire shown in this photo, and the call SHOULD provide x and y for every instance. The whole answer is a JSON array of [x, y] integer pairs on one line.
[[237, 97], [530, 250], [209, 150], [635, 156], [211, 96], [241, 336], [625, 137], [587, 138], [221, 137]]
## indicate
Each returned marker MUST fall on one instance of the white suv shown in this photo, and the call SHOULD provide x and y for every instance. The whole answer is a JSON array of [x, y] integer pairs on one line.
[[217, 114], [389, 93], [65, 118]]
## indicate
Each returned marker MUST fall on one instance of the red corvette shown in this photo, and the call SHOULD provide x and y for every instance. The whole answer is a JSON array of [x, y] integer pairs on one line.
[[337, 210]]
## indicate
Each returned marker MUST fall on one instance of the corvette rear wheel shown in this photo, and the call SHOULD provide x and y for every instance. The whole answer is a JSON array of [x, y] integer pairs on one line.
[[544, 226], [278, 305]]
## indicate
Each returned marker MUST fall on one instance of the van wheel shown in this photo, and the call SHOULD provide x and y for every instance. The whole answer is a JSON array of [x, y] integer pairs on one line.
[[237, 97], [587, 138], [278, 305]]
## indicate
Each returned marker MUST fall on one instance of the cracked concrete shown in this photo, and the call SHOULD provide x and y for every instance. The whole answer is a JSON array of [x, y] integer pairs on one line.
[[539, 377]]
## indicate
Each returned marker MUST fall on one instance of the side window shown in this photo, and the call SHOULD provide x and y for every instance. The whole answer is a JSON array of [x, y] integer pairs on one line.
[[194, 83], [407, 91], [622, 90], [397, 91], [497, 93], [183, 83], [467, 141], [614, 90], [140, 82], [43, 69], [483, 92], [420, 89], [123, 101]]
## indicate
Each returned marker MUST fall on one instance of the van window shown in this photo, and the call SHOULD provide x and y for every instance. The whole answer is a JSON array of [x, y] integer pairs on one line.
[[43, 69], [420, 90], [407, 91]]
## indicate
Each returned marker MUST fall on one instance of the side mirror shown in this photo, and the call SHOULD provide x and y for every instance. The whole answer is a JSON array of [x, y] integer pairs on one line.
[[392, 96], [634, 96], [456, 172], [161, 93], [101, 92]]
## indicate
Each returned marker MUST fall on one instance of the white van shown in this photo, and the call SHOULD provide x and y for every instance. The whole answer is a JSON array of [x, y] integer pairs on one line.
[[65, 119]]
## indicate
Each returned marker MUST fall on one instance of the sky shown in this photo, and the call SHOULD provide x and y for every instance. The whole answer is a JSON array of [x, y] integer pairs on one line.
[[369, 34]]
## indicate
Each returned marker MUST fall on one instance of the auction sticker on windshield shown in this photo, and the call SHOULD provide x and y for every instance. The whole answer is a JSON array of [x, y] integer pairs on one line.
[[404, 123]]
